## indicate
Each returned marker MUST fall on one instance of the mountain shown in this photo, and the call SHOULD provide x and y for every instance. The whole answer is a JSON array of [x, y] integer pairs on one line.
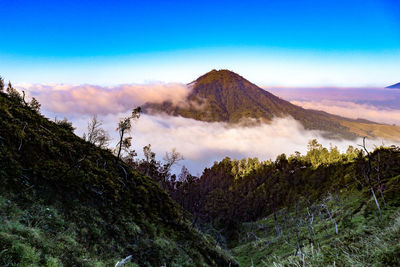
[[224, 96], [67, 202], [394, 86]]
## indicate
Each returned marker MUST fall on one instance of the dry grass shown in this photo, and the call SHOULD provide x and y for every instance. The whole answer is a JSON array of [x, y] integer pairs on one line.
[[389, 132]]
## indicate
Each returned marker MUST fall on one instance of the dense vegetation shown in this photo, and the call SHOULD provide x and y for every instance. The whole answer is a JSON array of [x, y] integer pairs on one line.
[[67, 202], [319, 209], [307, 236], [225, 96]]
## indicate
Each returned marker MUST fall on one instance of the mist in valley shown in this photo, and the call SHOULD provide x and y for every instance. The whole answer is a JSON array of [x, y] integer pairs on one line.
[[203, 143]]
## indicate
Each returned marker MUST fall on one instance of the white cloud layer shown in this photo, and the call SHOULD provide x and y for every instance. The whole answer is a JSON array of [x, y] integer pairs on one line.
[[201, 143], [92, 99]]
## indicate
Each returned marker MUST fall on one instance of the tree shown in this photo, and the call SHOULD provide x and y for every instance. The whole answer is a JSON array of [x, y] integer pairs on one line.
[[313, 144], [64, 123], [12, 92], [157, 170], [148, 154], [334, 154], [184, 175], [96, 135], [1, 84], [35, 105], [124, 127], [171, 158], [150, 164], [317, 154]]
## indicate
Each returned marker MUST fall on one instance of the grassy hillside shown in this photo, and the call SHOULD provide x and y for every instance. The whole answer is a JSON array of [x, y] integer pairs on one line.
[[388, 132], [308, 237], [66, 202]]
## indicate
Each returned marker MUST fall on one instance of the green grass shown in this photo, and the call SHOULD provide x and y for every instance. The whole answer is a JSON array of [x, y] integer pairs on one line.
[[40, 236], [362, 240]]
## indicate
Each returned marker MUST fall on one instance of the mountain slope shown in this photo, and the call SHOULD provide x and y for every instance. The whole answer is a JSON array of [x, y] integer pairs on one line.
[[226, 96], [394, 86], [66, 202]]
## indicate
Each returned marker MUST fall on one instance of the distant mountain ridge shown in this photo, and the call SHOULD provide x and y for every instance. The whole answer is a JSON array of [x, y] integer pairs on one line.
[[224, 96], [394, 86]]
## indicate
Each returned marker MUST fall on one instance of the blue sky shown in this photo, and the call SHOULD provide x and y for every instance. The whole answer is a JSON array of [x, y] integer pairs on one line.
[[288, 43]]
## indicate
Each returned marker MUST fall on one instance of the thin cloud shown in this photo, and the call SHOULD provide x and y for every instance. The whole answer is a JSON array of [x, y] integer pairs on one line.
[[377, 97], [354, 110]]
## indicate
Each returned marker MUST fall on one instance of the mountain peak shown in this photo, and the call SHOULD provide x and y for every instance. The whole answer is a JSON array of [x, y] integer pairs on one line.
[[223, 76], [394, 86], [219, 73], [223, 86]]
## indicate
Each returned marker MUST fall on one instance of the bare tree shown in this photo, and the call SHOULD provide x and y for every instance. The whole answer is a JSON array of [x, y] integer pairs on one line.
[[310, 219], [274, 208], [171, 158], [368, 179], [183, 176], [96, 135], [323, 205], [123, 261], [381, 187], [124, 128], [23, 98]]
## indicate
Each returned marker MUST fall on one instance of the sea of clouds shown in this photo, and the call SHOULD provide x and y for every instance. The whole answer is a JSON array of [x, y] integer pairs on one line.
[[376, 104], [202, 143]]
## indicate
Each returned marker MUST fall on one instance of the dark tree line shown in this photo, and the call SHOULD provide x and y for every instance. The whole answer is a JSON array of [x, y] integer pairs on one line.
[[245, 190]]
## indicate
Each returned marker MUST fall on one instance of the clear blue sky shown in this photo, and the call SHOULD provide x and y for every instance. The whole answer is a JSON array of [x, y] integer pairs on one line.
[[110, 42]]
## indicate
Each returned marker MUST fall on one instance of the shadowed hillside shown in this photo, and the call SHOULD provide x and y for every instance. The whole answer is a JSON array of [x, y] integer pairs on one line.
[[66, 202]]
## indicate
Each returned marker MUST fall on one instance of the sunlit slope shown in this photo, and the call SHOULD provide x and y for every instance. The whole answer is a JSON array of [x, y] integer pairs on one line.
[[373, 130], [308, 237]]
